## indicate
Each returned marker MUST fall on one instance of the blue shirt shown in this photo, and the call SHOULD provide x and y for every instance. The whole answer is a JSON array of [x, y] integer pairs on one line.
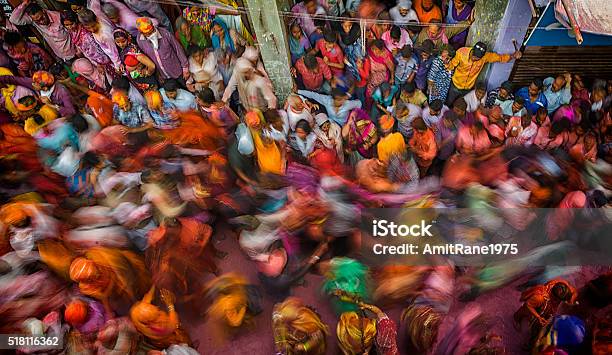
[[327, 101], [404, 68], [556, 99], [422, 72], [532, 107], [184, 101]]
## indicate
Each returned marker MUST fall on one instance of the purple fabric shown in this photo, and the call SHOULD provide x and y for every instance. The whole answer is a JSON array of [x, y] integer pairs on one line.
[[96, 318], [169, 58], [61, 97], [302, 177]]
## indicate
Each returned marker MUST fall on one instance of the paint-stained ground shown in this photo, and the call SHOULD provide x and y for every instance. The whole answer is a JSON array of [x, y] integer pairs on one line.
[[257, 339]]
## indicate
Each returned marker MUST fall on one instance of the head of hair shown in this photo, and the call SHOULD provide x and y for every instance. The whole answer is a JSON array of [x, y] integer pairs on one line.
[[121, 83], [379, 44], [38, 119], [303, 124], [409, 87], [478, 125], [90, 160], [57, 69], [519, 100], [206, 95], [436, 105], [460, 104], [110, 10], [79, 123], [506, 85], [559, 126], [320, 23], [329, 35], [69, 15], [33, 8], [271, 116], [481, 86], [537, 82], [171, 85], [406, 52], [87, 16], [310, 61], [13, 38], [419, 124], [193, 49], [337, 93], [395, 32]]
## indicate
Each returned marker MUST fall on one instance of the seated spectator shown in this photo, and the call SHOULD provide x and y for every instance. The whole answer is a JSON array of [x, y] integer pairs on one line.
[[182, 99], [433, 114], [395, 39], [440, 34], [384, 100], [313, 72], [337, 105], [305, 10], [515, 107], [332, 53], [558, 91], [458, 11], [204, 69], [533, 96], [410, 94], [402, 13], [427, 11], [26, 56], [500, 94], [473, 139], [521, 130], [476, 98], [406, 67], [298, 42]]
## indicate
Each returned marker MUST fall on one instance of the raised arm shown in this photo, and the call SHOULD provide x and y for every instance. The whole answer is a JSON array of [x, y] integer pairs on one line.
[[19, 17]]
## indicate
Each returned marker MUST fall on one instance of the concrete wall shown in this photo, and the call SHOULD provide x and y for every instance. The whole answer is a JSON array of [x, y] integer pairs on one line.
[[271, 37], [497, 23]]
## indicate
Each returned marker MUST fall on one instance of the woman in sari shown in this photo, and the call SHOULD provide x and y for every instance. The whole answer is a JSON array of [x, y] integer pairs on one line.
[[97, 80], [361, 136], [381, 68], [160, 328], [298, 42], [351, 44], [139, 68], [329, 135], [270, 157], [302, 141], [356, 333], [84, 41], [458, 11], [423, 144], [297, 329], [225, 38], [190, 35]]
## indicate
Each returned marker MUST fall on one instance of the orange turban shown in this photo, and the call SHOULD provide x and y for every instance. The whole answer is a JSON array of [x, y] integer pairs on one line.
[[76, 312], [154, 99], [386, 122], [253, 118], [13, 213], [82, 269], [120, 99], [144, 25], [43, 78]]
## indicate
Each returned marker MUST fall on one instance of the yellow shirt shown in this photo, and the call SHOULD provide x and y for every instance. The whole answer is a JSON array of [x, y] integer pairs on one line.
[[269, 156], [389, 145], [418, 98], [467, 70], [46, 112]]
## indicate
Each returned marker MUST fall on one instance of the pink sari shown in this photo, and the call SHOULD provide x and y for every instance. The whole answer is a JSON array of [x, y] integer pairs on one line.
[[379, 70]]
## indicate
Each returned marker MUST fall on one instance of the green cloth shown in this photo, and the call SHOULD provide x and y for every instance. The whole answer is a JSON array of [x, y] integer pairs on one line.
[[198, 38], [350, 276]]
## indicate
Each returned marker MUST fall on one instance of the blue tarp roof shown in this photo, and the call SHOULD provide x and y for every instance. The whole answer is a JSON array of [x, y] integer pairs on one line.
[[560, 36]]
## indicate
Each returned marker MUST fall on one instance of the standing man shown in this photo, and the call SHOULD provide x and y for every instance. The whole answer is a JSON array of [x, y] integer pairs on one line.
[[165, 51], [468, 63], [50, 26]]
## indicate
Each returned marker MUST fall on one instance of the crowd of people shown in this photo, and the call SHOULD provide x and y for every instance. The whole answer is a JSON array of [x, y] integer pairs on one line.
[[129, 143]]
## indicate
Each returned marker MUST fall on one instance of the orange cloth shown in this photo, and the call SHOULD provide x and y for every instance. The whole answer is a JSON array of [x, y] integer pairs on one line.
[[427, 16], [101, 107], [195, 132], [390, 145], [423, 144]]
